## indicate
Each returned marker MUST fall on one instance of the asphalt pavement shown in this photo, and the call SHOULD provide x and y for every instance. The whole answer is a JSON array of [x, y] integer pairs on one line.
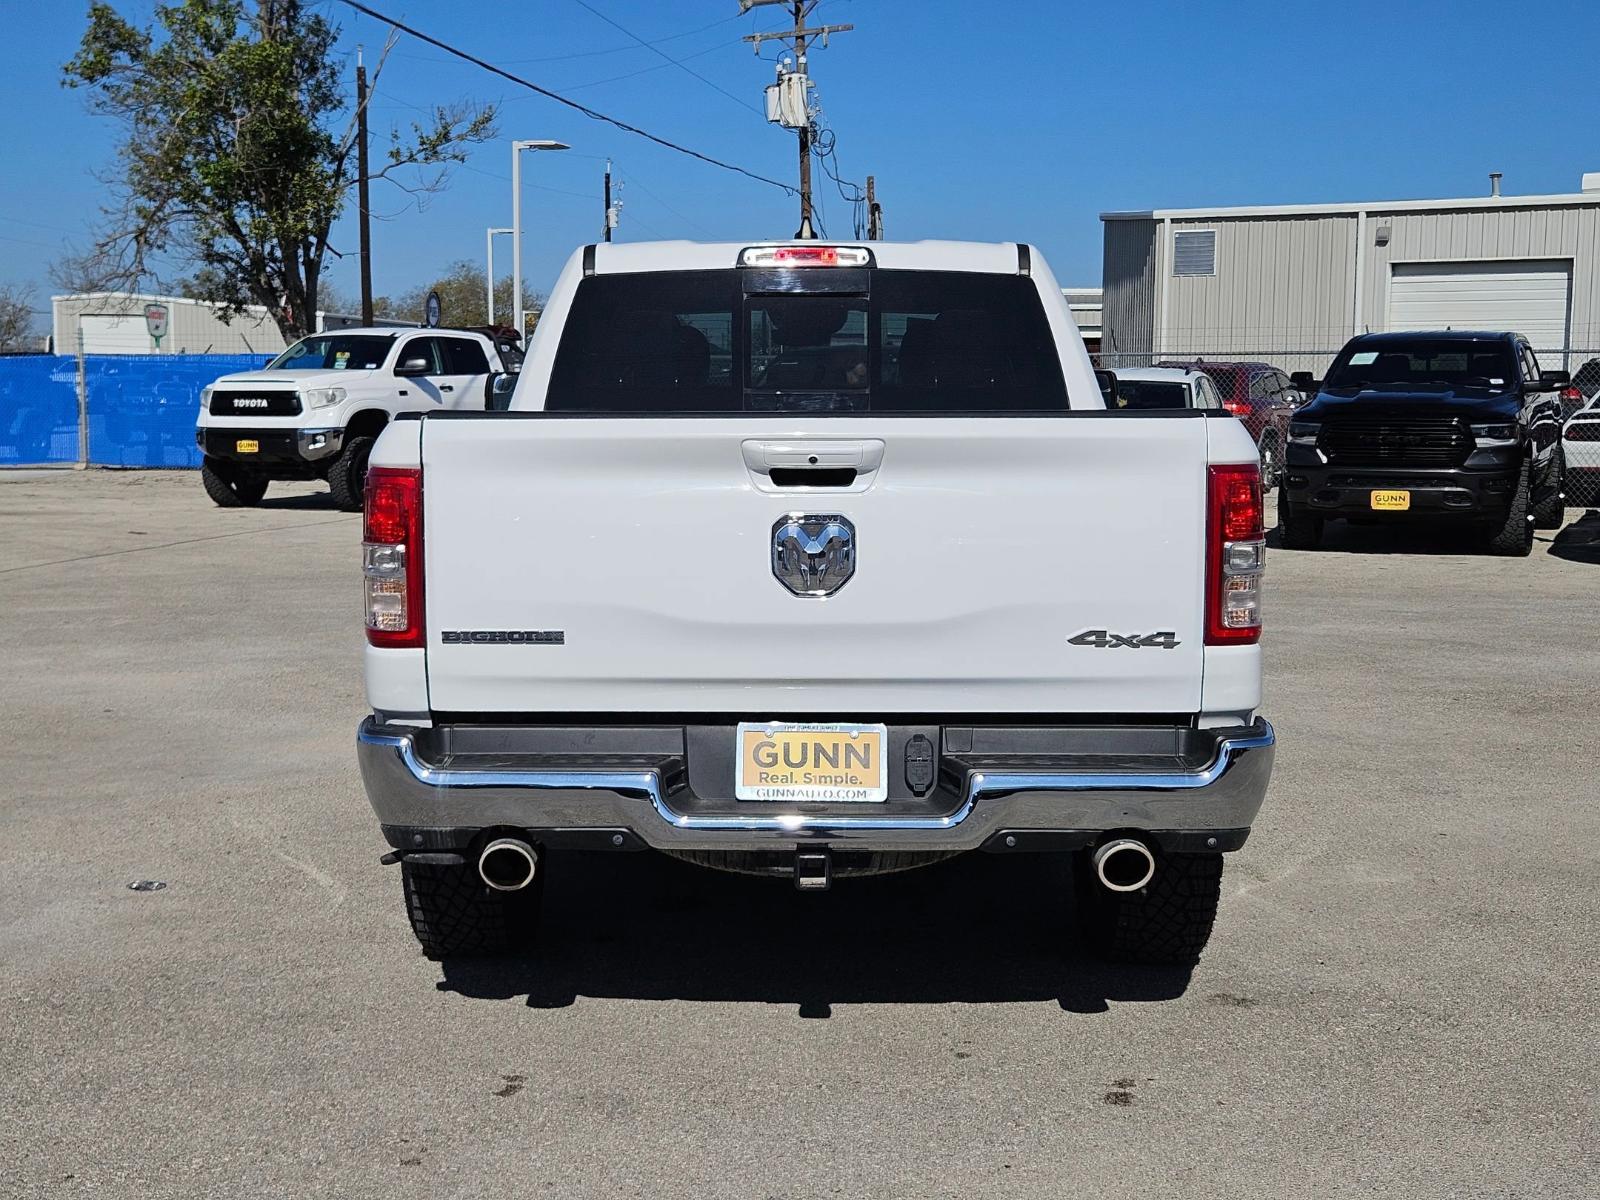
[[1400, 998]]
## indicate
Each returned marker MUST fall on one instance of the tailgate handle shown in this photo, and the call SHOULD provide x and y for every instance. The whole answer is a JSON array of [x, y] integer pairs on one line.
[[864, 456]]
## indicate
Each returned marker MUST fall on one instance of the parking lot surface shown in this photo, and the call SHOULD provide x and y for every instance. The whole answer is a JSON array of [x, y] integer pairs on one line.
[[1399, 999]]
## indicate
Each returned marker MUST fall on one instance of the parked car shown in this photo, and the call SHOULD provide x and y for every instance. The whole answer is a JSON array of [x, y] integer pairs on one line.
[[315, 410], [1580, 447], [1256, 393], [822, 629], [1164, 387], [1449, 424]]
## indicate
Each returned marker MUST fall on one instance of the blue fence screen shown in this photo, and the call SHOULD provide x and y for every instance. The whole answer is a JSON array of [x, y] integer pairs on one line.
[[142, 407]]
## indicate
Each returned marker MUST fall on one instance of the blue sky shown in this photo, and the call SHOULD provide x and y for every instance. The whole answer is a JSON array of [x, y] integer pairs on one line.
[[1015, 121]]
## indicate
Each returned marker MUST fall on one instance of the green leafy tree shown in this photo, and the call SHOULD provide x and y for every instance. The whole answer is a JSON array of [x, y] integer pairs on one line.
[[233, 162], [462, 298]]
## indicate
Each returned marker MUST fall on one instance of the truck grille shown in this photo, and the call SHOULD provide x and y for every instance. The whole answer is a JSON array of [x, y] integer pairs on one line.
[[1389, 440], [255, 404]]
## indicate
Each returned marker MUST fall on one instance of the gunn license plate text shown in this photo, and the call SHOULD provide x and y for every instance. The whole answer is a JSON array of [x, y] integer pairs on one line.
[[817, 763]]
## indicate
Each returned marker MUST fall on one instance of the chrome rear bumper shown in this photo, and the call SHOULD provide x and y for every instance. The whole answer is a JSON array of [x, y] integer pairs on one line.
[[449, 794]]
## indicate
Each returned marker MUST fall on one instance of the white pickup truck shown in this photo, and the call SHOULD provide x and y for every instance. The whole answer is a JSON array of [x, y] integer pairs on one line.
[[315, 410], [812, 560]]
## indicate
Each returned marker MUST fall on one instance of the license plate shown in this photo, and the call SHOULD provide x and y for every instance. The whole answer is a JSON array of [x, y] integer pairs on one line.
[[247, 446], [1391, 501], [825, 764]]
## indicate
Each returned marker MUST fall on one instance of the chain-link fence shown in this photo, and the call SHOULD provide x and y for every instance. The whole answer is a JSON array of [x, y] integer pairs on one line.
[[113, 410]]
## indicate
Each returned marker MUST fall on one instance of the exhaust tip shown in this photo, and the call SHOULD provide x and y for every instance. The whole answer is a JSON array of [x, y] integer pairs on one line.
[[507, 864], [1124, 865]]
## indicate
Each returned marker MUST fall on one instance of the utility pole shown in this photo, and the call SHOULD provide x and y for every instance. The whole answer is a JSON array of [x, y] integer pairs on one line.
[[791, 110], [874, 211], [609, 215], [361, 188]]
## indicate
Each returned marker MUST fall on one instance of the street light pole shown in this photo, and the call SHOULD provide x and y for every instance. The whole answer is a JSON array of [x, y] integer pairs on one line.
[[516, 223], [488, 245]]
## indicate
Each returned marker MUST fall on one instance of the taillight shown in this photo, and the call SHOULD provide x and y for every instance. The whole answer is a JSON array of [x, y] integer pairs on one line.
[[391, 556], [1236, 551], [1571, 395], [1237, 407]]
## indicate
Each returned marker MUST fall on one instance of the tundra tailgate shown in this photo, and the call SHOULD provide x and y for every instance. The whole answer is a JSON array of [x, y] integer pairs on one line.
[[627, 565]]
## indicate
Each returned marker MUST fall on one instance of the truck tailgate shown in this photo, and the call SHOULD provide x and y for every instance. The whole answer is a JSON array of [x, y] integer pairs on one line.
[[982, 545]]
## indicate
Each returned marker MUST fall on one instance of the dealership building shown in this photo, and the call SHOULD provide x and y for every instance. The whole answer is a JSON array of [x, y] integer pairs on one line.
[[1288, 284]]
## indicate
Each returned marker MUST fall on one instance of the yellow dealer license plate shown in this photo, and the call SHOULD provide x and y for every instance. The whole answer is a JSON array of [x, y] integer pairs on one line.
[[247, 446], [825, 764], [1391, 501]]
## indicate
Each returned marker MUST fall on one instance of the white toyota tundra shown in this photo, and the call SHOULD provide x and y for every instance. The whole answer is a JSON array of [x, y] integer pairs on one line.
[[814, 560], [314, 411]]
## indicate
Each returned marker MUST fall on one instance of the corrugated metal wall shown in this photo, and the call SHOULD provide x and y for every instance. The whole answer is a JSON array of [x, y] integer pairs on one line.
[[192, 328], [1282, 285], [1465, 235], [1128, 312]]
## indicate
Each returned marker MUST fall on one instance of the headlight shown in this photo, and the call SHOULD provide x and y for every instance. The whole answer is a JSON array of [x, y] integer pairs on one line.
[[205, 398], [1489, 437], [1304, 433], [323, 397]]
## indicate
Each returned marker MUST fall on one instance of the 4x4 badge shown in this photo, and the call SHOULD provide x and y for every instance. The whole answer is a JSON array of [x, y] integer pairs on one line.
[[1101, 640]]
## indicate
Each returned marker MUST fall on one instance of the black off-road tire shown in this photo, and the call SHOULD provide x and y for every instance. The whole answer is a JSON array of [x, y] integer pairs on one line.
[[347, 476], [230, 488], [1297, 530], [456, 915], [1553, 511], [1271, 461], [1165, 923], [1513, 537]]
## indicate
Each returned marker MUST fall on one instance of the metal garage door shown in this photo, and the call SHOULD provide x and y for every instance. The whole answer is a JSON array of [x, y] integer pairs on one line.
[[115, 334], [1530, 298]]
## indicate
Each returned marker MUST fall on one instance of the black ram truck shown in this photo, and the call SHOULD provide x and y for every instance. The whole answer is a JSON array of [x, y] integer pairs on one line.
[[1452, 425]]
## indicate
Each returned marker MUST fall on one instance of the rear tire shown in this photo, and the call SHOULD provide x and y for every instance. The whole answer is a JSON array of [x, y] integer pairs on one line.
[[229, 487], [1513, 537], [455, 914], [1166, 923], [347, 476], [1553, 511], [1297, 530]]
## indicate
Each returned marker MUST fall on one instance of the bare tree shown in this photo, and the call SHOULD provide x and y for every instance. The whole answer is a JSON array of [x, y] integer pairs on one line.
[[16, 317]]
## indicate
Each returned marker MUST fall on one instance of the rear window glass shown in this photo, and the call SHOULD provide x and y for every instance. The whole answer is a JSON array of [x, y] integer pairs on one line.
[[1145, 393], [690, 342]]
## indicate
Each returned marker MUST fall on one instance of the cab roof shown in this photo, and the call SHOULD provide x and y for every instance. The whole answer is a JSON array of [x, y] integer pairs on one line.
[[620, 258]]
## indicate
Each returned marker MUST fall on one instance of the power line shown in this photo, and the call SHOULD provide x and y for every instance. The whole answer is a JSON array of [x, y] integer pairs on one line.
[[517, 62], [742, 103], [592, 114]]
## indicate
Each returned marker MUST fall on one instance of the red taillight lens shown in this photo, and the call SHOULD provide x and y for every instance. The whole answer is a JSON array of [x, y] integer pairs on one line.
[[1571, 395], [1235, 554], [391, 556], [1237, 407]]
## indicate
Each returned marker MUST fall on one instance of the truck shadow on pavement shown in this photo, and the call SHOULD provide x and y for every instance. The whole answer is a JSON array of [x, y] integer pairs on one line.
[[1421, 538], [1579, 541], [981, 929]]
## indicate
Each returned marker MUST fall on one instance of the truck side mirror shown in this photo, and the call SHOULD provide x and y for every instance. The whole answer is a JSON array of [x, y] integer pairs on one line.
[[500, 388], [1554, 381], [1108, 387], [412, 366], [1304, 381]]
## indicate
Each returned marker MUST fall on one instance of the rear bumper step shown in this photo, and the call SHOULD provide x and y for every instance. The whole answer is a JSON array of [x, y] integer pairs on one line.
[[610, 794]]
